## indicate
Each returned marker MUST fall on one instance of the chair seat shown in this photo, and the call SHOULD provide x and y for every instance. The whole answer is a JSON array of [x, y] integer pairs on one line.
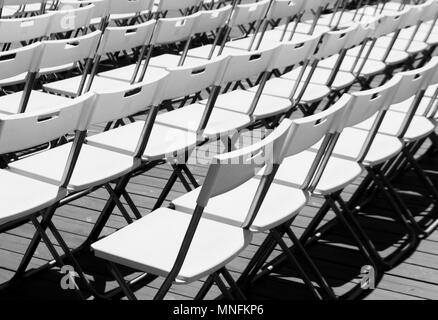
[[383, 148], [95, 166], [188, 118], [371, 67], [338, 174], [395, 56], [322, 75], [419, 128], [405, 105], [402, 44], [280, 87], [10, 103], [69, 87], [125, 73], [163, 142], [23, 196], [172, 60], [304, 28], [240, 101], [233, 206], [203, 52], [152, 243]]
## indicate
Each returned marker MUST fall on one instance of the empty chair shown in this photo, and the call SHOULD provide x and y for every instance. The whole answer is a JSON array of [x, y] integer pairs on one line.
[[183, 254], [114, 40], [55, 55]]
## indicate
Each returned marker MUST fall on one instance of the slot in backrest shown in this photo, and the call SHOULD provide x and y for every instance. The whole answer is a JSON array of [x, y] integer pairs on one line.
[[40, 127], [71, 19], [367, 103], [230, 170], [129, 6], [118, 104], [415, 80], [186, 80], [17, 61], [174, 29], [291, 53], [247, 64], [24, 29], [60, 52], [247, 13], [334, 41], [281, 9], [309, 130], [169, 5], [212, 19], [121, 38]]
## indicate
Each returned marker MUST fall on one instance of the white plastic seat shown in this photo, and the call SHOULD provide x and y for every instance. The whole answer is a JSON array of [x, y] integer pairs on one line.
[[125, 73], [274, 210], [338, 173], [240, 101], [371, 67], [10, 103], [282, 88], [144, 246], [321, 76], [420, 127], [24, 196], [94, 166]]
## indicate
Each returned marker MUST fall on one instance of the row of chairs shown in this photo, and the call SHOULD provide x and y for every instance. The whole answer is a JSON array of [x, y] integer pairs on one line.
[[259, 62]]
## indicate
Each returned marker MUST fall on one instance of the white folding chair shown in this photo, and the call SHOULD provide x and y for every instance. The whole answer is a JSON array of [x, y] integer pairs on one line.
[[114, 39], [15, 8], [17, 30], [54, 56], [28, 197], [183, 254]]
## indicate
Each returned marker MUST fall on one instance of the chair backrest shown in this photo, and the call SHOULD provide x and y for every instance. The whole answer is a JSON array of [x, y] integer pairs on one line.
[[17, 61], [311, 5], [71, 19], [429, 10], [291, 53], [367, 103], [363, 32], [101, 7], [413, 81], [170, 30], [24, 29], [230, 170], [212, 19], [246, 13], [20, 2], [129, 6], [40, 127], [412, 18], [248, 64], [60, 52], [122, 38], [390, 22], [170, 5], [117, 104], [185, 80], [334, 41], [281, 9], [309, 130]]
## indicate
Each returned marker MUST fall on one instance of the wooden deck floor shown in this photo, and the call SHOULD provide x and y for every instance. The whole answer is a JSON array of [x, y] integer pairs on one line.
[[416, 277]]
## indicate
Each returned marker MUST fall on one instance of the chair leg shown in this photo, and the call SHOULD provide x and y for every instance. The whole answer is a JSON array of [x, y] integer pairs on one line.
[[362, 248], [236, 291], [222, 287], [205, 288], [290, 256], [119, 204], [121, 281], [321, 280]]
